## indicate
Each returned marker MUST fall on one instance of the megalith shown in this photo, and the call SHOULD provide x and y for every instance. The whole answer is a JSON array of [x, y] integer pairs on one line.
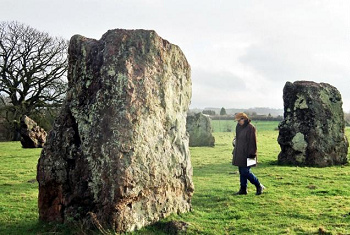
[[118, 154], [200, 130], [312, 132], [32, 135]]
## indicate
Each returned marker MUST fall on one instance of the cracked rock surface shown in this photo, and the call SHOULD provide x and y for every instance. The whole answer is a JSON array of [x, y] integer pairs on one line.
[[313, 130], [32, 135], [118, 154]]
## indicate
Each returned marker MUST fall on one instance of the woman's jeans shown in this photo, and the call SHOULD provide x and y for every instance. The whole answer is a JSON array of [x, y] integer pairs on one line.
[[245, 175]]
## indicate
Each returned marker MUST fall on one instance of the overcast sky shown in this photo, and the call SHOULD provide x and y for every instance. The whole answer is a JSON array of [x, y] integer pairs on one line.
[[242, 52]]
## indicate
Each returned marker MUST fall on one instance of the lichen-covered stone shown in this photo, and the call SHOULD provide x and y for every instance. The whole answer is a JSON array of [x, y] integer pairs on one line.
[[312, 132], [32, 135], [118, 153], [200, 130]]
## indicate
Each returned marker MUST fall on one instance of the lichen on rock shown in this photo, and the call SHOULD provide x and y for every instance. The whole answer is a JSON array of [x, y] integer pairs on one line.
[[313, 130], [118, 152], [32, 135], [200, 130], [299, 143]]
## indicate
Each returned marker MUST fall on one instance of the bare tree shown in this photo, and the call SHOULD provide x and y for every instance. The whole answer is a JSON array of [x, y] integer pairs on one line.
[[33, 69]]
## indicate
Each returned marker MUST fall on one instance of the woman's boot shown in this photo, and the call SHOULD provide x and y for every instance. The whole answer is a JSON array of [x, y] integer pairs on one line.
[[259, 189], [242, 191]]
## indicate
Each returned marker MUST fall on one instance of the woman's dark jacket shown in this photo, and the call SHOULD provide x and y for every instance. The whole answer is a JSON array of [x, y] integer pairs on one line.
[[245, 146]]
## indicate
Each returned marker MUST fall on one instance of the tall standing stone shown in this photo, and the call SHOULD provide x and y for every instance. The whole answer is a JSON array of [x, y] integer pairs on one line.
[[200, 130], [118, 153], [312, 132]]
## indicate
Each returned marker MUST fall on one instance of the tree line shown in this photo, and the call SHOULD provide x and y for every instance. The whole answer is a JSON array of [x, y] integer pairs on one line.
[[252, 115], [33, 68]]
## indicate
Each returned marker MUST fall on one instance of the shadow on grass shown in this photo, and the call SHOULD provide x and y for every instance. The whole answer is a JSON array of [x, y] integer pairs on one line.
[[228, 168], [38, 227], [34, 227]]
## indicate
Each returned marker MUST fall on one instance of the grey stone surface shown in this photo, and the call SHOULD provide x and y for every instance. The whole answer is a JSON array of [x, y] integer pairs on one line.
[[32, 135], [313, 130], [200, 130], [118, 153]]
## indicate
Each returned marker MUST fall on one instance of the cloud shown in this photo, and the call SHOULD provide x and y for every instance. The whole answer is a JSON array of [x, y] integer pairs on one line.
[[241, 52], [308, 41], [217, 80], [214, 88], [225, 89]]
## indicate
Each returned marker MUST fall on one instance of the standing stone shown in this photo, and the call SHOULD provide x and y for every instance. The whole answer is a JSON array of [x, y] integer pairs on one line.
[[312, 132], [32, 135], [200, 130], [118, 154]]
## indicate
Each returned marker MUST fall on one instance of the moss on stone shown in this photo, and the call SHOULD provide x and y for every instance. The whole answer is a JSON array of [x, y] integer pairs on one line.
[[312, 132], [299, 143], [129, 160]]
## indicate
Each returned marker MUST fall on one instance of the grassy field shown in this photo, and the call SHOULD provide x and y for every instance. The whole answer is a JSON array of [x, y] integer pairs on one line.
[[230, 125], [298, 200]]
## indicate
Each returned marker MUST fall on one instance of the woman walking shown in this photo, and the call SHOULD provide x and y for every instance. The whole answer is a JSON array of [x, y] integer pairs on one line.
[[245, 153]]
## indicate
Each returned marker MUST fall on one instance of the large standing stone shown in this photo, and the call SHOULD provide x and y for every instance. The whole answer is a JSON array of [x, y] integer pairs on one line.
[[312, 132], [119, 151], [32, 135], [200, 130]]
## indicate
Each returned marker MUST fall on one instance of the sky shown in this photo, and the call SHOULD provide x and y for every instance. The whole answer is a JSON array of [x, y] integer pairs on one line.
[[241, 52]]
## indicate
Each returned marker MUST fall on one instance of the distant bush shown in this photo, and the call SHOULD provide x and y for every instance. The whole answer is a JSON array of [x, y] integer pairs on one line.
[[252, 117], [209, 112]]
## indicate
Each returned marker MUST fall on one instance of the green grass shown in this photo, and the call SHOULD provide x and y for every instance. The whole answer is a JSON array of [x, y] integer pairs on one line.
[[18, 187], [230, 125], [298, 200]]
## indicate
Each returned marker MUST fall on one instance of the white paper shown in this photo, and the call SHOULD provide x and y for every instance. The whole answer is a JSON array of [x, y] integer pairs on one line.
[[251, 161]]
